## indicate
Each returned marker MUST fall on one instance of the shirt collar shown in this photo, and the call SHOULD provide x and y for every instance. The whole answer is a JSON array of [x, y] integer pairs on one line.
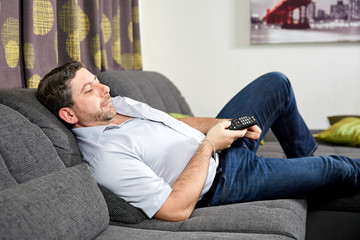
[[123, 105], [91, 134]]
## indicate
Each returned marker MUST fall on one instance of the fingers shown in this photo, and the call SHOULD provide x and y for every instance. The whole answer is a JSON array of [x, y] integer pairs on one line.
[[255, 128], [253, 133]]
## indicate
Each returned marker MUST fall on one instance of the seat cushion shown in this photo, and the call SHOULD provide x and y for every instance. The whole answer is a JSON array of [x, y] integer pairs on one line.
[[285, 218], [117, 233]]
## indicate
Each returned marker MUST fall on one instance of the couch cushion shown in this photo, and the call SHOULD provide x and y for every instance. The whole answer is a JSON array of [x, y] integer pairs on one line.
[[6, 179], [63, 205], [278, 217], [26, 153], [116, 232], [25, 102], [149, 87], [272, 149]]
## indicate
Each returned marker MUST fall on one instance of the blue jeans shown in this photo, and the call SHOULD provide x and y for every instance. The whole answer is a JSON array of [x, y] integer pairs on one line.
[[243, 176]]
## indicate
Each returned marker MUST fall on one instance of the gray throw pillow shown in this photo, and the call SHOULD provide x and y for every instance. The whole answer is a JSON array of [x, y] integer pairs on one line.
[[120, 210]]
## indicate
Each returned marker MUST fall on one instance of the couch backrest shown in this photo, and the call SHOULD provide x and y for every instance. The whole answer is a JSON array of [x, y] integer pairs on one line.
[[26, 153], [149, 87], [45, 190], [25, 102]]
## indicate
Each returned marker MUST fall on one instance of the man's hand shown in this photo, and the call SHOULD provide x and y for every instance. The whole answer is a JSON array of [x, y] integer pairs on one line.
[[223, 138]]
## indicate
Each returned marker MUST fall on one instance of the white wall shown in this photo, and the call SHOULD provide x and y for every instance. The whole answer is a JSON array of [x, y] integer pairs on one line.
[[203, 46]]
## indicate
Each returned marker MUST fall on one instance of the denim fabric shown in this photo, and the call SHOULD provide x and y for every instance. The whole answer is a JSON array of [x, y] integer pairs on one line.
[[243, 176]]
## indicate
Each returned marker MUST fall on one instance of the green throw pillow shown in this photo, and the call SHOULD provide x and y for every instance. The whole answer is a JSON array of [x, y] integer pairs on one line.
[[334, 119], [345, 131], [178, 115]]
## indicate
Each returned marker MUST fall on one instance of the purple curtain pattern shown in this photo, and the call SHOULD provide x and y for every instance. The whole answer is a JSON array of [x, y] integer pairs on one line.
[[38, 35]]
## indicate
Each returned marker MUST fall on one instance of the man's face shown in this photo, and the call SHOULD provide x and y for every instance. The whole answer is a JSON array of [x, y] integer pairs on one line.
[[92, 102]]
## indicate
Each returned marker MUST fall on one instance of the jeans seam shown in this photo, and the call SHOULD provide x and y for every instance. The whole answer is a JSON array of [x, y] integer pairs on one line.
[[223, 197], [313, 150], [267, 125]]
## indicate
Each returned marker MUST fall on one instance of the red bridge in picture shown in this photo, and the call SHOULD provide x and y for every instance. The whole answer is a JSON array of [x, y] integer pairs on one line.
[[283, 13]]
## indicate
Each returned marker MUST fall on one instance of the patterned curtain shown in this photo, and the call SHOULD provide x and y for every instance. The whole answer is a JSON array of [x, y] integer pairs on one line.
[[38, 35]]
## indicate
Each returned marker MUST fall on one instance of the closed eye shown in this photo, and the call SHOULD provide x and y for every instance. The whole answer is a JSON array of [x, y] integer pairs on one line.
[[88, 88]]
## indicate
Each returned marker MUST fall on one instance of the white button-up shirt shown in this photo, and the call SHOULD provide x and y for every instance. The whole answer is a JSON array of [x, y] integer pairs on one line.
[[141, 158]]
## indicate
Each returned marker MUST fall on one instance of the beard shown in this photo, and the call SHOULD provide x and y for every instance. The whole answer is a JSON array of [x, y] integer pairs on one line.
[[101, 116], [104, 116]]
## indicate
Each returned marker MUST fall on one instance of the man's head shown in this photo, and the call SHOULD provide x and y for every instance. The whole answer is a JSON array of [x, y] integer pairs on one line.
[[54, 90], [75, 95]]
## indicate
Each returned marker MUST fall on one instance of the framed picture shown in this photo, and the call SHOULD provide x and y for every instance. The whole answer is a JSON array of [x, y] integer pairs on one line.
[[296, 21]]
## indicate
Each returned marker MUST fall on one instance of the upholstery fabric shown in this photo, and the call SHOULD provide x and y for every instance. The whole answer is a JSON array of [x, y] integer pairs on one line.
[[6, 179], [278, 217], [117, 233], [25, 149], [25, 102], [149, 87], [66, 204]]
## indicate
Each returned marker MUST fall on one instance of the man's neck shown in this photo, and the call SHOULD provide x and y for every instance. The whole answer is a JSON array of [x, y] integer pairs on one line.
[[118, 119]]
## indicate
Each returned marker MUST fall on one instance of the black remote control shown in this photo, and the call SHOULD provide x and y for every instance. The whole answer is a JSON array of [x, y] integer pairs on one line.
[[242, 123]]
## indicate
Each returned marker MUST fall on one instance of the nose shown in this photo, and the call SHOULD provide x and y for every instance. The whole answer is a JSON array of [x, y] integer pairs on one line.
[[103, 89], [106, 89]]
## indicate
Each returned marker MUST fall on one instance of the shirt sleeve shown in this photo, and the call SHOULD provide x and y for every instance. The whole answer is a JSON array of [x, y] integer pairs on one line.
[[131, 179]]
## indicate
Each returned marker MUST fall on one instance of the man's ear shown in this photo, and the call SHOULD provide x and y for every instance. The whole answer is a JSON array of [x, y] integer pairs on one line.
[[68, 115]]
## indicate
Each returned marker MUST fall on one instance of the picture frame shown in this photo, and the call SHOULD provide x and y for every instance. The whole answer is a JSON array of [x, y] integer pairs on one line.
[[301, 21]]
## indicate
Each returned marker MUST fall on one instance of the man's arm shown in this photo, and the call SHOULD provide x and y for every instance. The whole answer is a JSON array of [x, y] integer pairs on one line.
[[187, 188], [203, 124]]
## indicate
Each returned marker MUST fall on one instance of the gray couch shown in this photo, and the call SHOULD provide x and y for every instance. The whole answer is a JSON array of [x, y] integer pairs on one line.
[[46, 192]]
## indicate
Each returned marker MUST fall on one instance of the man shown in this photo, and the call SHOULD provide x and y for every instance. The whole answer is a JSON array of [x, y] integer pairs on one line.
[[165, 166]]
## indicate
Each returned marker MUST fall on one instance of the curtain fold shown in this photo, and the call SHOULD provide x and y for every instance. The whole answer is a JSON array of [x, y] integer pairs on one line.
[[38, 35]]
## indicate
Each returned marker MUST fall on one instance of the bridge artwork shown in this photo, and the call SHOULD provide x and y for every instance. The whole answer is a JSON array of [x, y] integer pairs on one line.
[[283, 14]]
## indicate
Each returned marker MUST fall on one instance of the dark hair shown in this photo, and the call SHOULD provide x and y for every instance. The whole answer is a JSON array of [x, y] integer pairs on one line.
[[54, 90]]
